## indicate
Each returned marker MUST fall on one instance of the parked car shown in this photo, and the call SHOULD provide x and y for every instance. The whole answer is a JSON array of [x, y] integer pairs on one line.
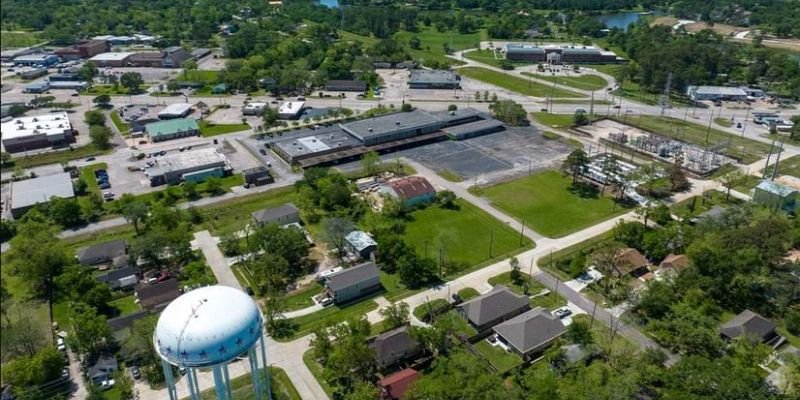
[[137, 374], [107, 384], [326, 301], [562, 312], [90, 159], [60, 345], [163, 152], [262, 151], [65, 373]]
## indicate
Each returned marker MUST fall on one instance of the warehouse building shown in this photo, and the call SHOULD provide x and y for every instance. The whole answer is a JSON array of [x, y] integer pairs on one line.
[[314, 143], [65, 77], [524, 52], [346, 86], [83, 50], [291, 109], [138, 116], [716, 93], [41, 59], [172, 129], [27, 193], [112, 59], [254, 108], [171, 57], [392, 127], [37, 132], [33, 74], [38, 87], [177, 110], [433, 79], [69, 85], [473, 129], [195, 165]]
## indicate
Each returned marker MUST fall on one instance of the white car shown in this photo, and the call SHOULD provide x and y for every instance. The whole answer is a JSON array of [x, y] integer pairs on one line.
[[60, 345], [562, 312], [107, 384], [326, 301]]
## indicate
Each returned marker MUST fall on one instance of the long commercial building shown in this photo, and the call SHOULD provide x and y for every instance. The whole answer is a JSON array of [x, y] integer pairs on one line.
[[83, 50], [194, 165], [37, 132], [112, 59], [701, 93], [30, 192], [559, 54], [433, 79]]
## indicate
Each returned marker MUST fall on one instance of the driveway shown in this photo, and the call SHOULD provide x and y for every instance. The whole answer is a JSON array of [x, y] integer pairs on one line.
[[215, 259]]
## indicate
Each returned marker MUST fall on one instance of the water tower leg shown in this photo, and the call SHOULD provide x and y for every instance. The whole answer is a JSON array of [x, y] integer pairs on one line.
[[266, 368], [227, 380], [173, 395], [220, 384], [255, 374], [191, 378]]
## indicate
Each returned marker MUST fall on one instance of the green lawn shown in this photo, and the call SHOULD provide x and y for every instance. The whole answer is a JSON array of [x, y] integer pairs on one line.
[[433, 42], [56, 157], [515, 84], [723, 122], [87, 173], [232, 215], [501, 359], [125, 305], [316, 370], [468, 293], [584, 82], [117, 121], [694, 133], [519, 288], [488, 57], [459, 324], [547, 204], [422, 312], [789, 166], [328, 316], [553, 120], [242, 387], [208, 129], [110, 90], [697, 205], [207, 76], [450, 175], [633, 91], [13, 40], [464, 233], [302, 297]]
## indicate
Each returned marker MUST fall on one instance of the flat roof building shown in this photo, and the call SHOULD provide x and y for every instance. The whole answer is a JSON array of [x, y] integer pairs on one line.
[[473, 129], [558, 54], [69, 85], [175, 110], [30, 192], [392, 127], [254, 108], [36, 132], [43, 59], [83, 50], [172, 129], [314, 142], [171, 168], [37, 87], [701, 93], [291, 109], [112, 59], [345, 86], [433, 79]]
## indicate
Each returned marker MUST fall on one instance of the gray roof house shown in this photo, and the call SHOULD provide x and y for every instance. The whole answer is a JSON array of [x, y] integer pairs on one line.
[[750, 324], [530, 333], [393, 346], [352, 283], [120, 277], [491, 308], [361, 244], [102, 253], [282, 215], [102, 369]]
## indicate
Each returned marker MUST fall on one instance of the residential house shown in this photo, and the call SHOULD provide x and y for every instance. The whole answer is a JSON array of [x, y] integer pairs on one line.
[[281, 215], [359, 243], [121, 278], [395, 386], [102, 369], [352, 283], [410, 191], [630, 262], [530, 333], [102, 253], [673, 265], [775, 195], [752, 325], [394, 346], [489, 309], [150, 296]]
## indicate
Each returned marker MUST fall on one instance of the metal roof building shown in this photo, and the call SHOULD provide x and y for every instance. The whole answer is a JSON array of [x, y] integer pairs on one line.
[[172, 129], [176, 110], [472, 129], [433, 79], [314, 142], [392, 127], [171, 168], [291, 109], [27, 193], [112, 59], [700, 93]]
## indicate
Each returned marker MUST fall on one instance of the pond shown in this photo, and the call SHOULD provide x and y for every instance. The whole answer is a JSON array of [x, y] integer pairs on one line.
[[621, 20], [330, 3]]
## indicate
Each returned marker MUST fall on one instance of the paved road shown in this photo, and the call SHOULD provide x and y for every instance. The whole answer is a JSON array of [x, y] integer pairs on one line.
[[215, 259]]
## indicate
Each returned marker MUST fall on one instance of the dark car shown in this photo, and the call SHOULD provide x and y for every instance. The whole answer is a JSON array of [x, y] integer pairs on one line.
[[262, 151], [90, 159], [137, 374], [456, 298]]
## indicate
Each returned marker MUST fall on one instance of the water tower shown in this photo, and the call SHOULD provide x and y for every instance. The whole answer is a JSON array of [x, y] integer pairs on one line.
[[209, 328]]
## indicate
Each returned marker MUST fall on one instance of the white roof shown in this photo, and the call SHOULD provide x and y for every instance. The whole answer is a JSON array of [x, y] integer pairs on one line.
[[256, 105], [175, 109], [112, 56], [28, 192], [48, 124], [291, 107], [313, 144], [719, 90], [207, 326]]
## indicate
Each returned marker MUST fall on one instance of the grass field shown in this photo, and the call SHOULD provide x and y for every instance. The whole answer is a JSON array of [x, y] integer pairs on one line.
[[468, 293], [13, 40], [465, 234], [122, 126], [232, 215], [125, 305], [694, 133], [207, 76], [515, 84], [450, 175], [87, 173], [725, 122], [789, 166], [209, 129], [329, 316], [56, 157], [110, 90], [302, 298], [501, 359], [553, 120], [585, 82], [433, 42], [242, 387], [697, 205], [632, 91], [548, 205], [421, 312]]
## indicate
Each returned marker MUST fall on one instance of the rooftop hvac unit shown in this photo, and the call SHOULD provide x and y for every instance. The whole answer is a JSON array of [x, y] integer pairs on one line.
[[35, 119], [369, 129]]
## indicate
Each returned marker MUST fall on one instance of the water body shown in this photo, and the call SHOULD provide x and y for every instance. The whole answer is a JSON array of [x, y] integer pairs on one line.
[[330, 3], [621, 20]]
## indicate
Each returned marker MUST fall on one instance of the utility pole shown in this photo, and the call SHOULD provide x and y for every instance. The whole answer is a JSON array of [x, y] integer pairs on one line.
[[591, 106], [777, 161], [521, 231], [491, 242]]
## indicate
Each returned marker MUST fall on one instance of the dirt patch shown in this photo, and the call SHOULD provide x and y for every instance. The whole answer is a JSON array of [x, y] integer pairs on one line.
[[668, 21], [789, 181]]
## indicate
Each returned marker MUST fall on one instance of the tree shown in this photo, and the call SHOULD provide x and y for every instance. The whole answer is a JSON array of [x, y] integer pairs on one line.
[[23, 332], [31, 371], [135, 211], [677, 178], [65, 212], [446, 199], [131, 81], [452, 107], [608, 260], [101, 136], [580, 118], [88, 71], [414, 43], [102, 101], [214, 186], [363, 391], [516, 276], [578, 332], [611, 169], [510, 112], [731, 180], [188, 65], [90, 331], [139, 344], [124, 385], [576, 164], [230, 245], [190, 190], [394, 315], [334, 231], [76, 284], [95, 117], [415, 271], [792, 321], [271, 273], [370, 162]]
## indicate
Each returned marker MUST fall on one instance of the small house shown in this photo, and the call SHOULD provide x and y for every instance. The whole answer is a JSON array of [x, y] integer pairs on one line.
[[673, 265], [257, 176], [751, 325], [492, 308], [393, 346], [151, 296], [630, 262], [395, 386], [360, 244], [102, 253], [410, 191], [102, 369], [530, 333], [121, 278], [352, 283], [282, 215]]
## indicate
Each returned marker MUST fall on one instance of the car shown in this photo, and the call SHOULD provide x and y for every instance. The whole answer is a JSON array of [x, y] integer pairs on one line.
[[562, 312], [301, 98], [188, 147], [616, 106], [152, 281], [274, 102], [107, 384], [543, 110], [492, 339], [90, 159], [182, 370], [326, 301], [182, 148], [279, 98], [136, 373], [60, 345], [262, 151], [65, 373], [163, 152], [143, 142]]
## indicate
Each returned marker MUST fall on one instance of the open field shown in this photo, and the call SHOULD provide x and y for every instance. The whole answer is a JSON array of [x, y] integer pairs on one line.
[[232, 215], [17, 39], [56, 157], [111, 90], [432, 43], [465, 234], [696, 134], [515, 84], [584, 82], [789, 166], [302, 297], [327, 316], [208, 129], [549, 205], [697, 205], [553, 120]]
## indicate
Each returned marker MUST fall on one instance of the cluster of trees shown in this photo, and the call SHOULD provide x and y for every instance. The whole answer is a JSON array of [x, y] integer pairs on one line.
[[98, 131], [510, 112], [777, 17]]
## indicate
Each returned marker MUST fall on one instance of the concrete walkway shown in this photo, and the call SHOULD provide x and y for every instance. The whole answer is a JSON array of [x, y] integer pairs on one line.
[[215, 259]]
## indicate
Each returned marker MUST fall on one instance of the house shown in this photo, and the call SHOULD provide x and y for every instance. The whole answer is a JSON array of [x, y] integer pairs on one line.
[[352, 283], [410, 191], [393, 346], [150, 296], [530, 333], [775, 195], [491, 308], [282, 215], [102, 253], [360, 244], [121, 278], [395, 386], [673, 264], [102, 369], [630, 262], [751, 325]]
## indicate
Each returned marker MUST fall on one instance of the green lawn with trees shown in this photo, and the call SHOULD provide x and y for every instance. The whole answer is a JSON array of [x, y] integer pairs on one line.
[[17, 39], [584, 82], [789, 166], [550, 205], [433, 44], [208, 129], [516, 84]]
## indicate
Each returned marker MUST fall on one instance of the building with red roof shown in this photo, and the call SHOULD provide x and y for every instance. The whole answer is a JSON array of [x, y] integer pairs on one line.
[[395, 386], [411, 190]]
